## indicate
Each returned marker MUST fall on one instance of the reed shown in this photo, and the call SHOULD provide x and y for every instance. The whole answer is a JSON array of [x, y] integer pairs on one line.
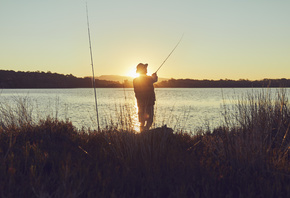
[[260, 126], [248, 156]]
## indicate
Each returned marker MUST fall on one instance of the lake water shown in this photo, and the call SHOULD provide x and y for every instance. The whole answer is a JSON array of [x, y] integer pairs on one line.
[[185, 109]]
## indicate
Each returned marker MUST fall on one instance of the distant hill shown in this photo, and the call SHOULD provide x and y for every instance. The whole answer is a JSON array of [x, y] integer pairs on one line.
[[114, 78], [122, 78]]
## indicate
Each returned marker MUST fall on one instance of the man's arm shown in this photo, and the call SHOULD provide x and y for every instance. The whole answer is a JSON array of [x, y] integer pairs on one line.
[[154, 77]]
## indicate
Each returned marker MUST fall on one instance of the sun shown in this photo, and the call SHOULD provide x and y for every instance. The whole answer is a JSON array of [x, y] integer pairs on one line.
[[132, 73]]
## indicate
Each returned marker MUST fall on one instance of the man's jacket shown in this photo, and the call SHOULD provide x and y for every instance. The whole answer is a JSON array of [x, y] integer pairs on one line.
[[144, 89]]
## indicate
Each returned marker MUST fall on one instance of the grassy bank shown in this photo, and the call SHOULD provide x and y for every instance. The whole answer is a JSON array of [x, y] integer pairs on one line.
[[248, 156]]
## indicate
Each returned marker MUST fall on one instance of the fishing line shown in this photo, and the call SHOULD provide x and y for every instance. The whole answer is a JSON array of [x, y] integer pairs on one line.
[[170, 53], [92, 63]]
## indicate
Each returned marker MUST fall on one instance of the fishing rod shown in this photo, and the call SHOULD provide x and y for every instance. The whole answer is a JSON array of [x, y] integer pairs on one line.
[[92, 63], [170, 53]]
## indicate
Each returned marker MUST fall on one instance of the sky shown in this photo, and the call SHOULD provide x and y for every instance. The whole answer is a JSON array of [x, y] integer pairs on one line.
[[223, 39]]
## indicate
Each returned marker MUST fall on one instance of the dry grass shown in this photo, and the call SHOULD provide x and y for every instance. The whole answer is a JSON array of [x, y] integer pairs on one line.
[[248, 157]]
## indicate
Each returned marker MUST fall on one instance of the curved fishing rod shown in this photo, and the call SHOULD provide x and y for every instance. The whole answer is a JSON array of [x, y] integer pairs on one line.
[[170, 53], [93, 71]]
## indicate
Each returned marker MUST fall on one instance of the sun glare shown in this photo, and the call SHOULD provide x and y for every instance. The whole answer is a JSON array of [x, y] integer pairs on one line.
[[132, 73]]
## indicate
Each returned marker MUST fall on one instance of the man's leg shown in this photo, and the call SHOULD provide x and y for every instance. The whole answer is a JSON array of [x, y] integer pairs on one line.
[[150, 114], [141, 116]]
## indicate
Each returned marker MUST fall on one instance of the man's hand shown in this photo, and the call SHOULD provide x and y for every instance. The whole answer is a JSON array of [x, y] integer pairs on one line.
[[155, 77]]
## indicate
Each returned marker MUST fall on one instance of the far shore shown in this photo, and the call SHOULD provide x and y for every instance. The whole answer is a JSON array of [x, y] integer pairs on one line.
[[48, 80]]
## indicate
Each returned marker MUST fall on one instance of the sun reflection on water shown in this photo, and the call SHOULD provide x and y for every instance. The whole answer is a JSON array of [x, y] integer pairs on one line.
[[134, 117]]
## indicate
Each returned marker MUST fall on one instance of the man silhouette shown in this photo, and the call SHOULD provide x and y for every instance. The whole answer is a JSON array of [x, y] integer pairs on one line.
[[145, 95]]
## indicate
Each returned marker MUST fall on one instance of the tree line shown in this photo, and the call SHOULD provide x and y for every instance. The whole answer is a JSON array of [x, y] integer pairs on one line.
[[12, 79], [20, 79], [191, 83]]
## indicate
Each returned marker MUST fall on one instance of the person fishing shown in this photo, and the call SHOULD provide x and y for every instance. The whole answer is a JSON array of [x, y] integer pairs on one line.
[[145, 96]]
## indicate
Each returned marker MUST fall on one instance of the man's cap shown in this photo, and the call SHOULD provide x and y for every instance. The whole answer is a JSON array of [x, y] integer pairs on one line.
[[141, 67]]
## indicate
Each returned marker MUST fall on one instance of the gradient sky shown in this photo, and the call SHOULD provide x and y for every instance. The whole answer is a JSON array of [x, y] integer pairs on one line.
[[237, 39]]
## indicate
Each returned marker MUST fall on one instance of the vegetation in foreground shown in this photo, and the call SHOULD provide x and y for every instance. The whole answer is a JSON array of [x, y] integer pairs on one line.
[[247, 157]]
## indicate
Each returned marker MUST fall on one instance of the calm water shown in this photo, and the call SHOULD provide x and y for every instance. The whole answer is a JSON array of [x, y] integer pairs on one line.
[[186, 108]]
